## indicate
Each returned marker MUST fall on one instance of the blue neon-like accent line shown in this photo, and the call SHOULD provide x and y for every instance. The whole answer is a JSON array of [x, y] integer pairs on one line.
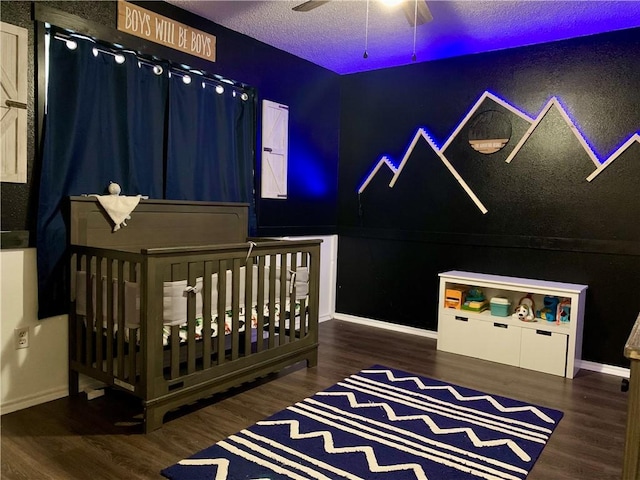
[[599, 162]]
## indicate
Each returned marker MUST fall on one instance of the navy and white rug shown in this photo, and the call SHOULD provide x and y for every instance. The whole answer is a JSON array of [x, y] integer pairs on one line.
[[387, 424]]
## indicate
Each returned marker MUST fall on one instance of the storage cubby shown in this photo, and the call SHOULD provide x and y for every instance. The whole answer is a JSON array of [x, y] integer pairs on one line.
[[553, 347]]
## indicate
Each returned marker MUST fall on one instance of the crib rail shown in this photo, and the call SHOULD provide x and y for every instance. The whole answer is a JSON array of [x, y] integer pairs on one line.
[[237, 311]]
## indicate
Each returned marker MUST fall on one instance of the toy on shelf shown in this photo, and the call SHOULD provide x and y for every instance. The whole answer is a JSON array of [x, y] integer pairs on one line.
[[550, 309], [564, 310], [474, 294], [454, 297], [525, 311], [475, 301], [475, 306], [500, 306]]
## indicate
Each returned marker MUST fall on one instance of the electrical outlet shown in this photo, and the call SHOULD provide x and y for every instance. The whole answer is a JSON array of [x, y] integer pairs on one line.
[[22, 337]]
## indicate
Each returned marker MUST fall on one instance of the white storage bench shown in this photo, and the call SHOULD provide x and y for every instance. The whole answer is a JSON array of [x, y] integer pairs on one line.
[[542, 345]]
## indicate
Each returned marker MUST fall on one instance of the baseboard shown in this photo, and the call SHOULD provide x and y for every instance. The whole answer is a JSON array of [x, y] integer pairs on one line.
[[47, 396], [386, 325], [603, 368], [584, 364]]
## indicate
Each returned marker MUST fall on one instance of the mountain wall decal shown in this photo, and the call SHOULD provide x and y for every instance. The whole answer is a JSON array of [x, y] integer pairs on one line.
[[600, 165]]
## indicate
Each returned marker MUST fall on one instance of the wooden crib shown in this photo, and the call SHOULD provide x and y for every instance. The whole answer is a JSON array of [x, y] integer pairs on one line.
[[180, 304]]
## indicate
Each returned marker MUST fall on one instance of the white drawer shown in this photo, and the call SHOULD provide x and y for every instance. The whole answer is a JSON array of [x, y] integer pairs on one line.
[[499, 342], [544, 351], [457, 333]]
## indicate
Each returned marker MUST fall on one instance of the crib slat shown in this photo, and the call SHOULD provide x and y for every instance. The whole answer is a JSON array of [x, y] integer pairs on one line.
[[206, 315], [283, 299], [272, 299], [110, 314], [87, 296], [235, 313], [191, 320], [175, 351], [248, 307], [120, 334], [73, 315], [260, 306], [292, 298], [133, 332], [222, 295], [303, 303], [99, 310], [90, 314]]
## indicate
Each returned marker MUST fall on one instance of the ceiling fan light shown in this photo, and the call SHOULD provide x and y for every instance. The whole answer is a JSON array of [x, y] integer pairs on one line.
[[391, 3]]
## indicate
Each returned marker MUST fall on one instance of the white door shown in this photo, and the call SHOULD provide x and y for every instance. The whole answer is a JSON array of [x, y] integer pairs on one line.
[[13, 103], [275, 149]]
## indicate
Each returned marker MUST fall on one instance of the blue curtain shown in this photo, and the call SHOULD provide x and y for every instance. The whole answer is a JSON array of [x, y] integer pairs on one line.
[[105, 122], [211, 143]]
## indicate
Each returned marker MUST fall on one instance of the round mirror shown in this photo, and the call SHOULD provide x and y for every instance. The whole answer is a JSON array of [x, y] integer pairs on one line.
[[489, 131]]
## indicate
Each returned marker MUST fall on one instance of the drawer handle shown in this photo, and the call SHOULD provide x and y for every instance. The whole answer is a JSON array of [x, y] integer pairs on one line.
[[500, 325], [462, 319], [543, 332]]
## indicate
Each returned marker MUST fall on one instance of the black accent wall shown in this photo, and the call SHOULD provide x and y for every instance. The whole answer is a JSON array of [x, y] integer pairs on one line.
[[544, 219]]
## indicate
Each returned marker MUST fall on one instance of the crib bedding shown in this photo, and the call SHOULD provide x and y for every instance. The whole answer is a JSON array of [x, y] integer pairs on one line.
[[155, 284], [175, 295], [199, 324], [183, 328]]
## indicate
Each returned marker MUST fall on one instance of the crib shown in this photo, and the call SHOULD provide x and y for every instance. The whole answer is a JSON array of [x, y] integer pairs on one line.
[[180, 304]]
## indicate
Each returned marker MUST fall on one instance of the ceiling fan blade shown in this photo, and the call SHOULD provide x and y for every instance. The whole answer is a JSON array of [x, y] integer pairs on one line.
[[424, 14], [309, 5]]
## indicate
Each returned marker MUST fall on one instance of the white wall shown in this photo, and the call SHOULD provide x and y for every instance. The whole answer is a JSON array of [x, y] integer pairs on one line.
[[328, 273], [39, 373]]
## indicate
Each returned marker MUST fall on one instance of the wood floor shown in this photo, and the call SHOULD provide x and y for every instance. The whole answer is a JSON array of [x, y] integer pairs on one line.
[[73, 438]]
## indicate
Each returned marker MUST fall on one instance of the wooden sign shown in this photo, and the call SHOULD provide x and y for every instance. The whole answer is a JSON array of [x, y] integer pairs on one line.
[[149, 25]]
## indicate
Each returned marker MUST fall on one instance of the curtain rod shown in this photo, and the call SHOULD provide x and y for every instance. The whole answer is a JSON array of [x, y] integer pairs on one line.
[[67, 35]]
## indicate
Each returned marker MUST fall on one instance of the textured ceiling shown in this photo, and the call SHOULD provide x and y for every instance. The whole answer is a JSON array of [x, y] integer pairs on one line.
[[333, 35]]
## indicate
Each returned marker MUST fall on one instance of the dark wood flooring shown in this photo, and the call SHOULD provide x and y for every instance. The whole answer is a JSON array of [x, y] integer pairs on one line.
[[73, 438]]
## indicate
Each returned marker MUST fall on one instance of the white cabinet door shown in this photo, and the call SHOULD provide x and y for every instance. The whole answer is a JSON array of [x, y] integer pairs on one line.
[[13, 103], [544, 351], [275, 149]]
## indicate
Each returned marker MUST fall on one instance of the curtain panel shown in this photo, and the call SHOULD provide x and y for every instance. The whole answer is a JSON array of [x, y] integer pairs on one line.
[[210, 149], [141, 127], [104, 123]]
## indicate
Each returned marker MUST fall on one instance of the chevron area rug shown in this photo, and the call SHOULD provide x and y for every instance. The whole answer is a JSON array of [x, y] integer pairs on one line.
[[387, 424]]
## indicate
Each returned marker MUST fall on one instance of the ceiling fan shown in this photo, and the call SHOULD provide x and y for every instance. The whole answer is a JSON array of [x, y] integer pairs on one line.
[[421, 16]]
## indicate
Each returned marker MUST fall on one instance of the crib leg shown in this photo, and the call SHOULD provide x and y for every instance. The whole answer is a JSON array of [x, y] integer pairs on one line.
[[74, 383], [152, 419], [312, 359]]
